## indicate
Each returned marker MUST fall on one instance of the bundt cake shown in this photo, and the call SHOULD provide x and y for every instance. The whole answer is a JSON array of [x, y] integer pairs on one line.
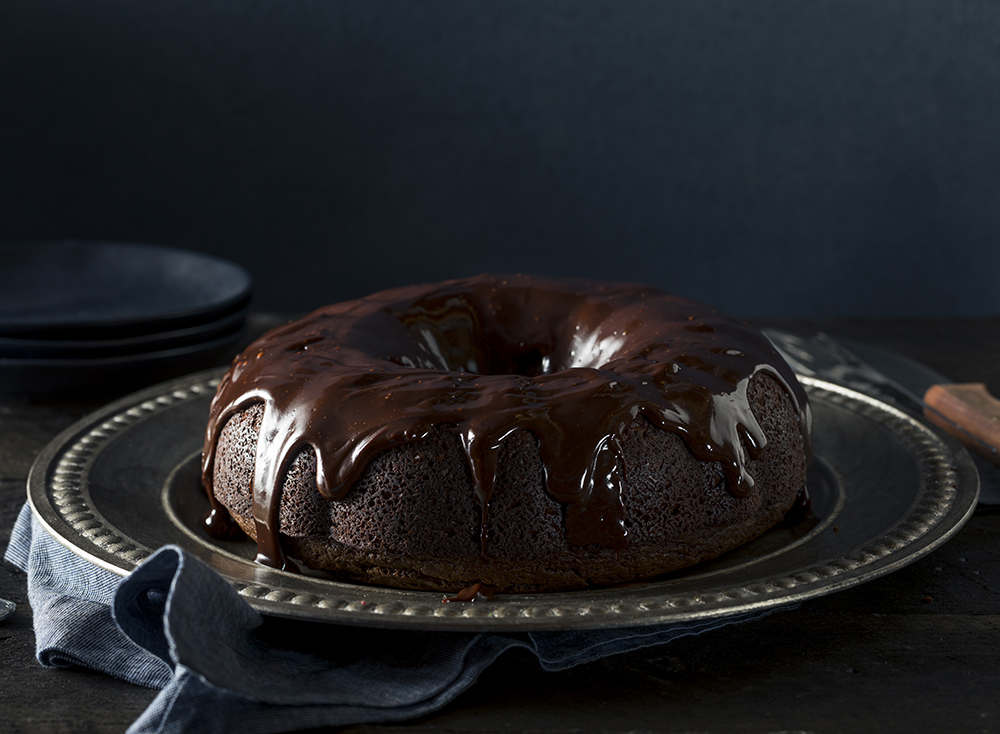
[[521, 433]]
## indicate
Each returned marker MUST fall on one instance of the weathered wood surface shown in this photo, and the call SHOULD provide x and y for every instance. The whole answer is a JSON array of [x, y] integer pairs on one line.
[[916, 651]]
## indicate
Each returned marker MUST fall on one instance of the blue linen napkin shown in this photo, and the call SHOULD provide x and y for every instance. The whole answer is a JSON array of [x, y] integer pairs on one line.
[[176, 625]]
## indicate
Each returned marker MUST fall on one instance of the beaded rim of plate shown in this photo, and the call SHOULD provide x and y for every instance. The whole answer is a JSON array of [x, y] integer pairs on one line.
[[59, 493]]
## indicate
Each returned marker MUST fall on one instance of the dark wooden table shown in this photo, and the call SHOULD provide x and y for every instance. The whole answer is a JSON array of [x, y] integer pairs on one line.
[[916, 651]]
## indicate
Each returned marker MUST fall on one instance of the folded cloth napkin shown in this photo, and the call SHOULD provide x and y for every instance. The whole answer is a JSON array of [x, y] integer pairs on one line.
[[176, 625]]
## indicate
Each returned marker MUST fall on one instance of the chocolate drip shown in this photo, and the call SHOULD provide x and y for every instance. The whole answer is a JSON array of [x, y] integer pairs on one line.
[[572, 362]]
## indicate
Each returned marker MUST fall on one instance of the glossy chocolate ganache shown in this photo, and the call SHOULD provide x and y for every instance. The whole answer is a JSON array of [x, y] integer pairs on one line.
[[572, 362]]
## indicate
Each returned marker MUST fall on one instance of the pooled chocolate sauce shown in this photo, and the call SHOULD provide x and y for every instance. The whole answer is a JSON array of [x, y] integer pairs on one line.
[[801, 509], [220, 524], [472, 593], [573, 362]]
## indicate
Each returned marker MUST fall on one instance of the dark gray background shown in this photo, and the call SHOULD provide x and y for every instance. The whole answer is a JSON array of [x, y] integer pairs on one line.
[[796, 158]]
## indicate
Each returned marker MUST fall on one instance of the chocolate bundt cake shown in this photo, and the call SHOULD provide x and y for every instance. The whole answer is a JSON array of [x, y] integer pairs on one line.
[[521, 433]]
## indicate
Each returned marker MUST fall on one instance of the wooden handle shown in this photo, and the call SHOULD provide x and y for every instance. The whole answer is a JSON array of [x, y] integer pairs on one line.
[[969, 412]]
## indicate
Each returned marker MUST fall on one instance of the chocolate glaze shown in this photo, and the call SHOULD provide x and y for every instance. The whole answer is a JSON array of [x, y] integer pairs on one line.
[[573, 362]]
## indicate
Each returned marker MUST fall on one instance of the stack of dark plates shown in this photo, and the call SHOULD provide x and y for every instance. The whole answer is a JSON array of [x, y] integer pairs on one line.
[[111, 316]]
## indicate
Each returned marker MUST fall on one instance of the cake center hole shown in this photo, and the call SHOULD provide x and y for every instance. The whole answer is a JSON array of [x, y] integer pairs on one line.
[[466, 350], [505, 336], [529, 362]]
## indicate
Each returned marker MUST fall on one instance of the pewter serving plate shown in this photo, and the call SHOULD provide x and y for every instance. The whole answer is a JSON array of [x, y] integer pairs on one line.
[[885, 488]]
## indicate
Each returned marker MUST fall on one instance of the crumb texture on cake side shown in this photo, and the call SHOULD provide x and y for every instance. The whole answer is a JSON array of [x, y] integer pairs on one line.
[[413, 519]]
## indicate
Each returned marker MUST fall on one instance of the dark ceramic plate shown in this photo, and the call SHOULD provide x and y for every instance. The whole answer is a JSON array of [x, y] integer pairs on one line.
[[886, 491], [100, 290], [114, 374], [14, 347]]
